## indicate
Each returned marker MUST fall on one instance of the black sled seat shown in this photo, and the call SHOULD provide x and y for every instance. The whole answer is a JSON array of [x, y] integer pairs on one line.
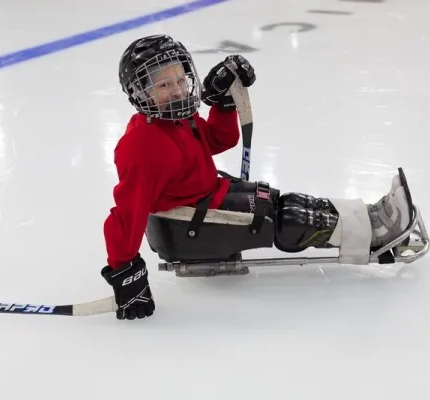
[[221, 236]]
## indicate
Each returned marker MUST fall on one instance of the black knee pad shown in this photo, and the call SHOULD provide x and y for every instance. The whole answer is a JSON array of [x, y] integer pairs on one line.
[[300, 224]]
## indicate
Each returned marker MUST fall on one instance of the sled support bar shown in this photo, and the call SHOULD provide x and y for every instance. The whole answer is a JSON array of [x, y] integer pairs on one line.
[[420, 245], [413, 240]]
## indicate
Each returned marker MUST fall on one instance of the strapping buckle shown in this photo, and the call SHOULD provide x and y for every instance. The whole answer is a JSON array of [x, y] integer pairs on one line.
[[263, 191], [263, 203]]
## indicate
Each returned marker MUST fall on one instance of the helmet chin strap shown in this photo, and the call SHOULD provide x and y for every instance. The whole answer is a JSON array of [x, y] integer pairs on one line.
[[175, 110], [180, 109]]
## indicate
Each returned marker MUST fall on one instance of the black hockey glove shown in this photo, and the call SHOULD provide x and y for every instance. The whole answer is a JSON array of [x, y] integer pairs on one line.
[[220, 78], [132, 292]]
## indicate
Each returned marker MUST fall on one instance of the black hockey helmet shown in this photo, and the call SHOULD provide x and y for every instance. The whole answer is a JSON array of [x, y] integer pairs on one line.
[[174, 94]]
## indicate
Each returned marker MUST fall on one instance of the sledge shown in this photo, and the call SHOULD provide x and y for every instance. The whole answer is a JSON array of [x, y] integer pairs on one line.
[[225, 235]]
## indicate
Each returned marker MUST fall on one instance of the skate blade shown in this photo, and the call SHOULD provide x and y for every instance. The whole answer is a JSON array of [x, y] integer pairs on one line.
[[194, 272]]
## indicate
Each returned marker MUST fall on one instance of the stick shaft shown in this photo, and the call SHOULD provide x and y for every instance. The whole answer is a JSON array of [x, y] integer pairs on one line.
[[241, 98]]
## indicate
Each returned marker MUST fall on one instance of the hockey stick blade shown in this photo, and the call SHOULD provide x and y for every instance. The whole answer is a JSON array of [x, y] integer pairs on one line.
[[240, 96], [101, 306]]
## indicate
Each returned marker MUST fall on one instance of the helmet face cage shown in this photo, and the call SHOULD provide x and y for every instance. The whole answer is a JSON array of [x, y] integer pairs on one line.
[[166, 86]]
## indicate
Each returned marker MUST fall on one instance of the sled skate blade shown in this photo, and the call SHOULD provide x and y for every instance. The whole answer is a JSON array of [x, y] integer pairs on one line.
[[202, 269], [190, 271]]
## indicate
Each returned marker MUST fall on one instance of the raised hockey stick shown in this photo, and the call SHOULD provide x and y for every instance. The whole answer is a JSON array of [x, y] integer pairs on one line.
[[243, 104], [73, 310]]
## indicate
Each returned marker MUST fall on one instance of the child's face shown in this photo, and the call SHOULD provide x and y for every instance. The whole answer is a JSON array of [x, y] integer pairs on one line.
[[169, 84]]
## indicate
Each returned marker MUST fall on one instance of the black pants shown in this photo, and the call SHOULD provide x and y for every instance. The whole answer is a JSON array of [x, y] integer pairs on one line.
[[241, 197]]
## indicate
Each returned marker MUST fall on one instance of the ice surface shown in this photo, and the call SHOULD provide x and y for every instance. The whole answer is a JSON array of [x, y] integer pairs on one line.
[[337, 108]]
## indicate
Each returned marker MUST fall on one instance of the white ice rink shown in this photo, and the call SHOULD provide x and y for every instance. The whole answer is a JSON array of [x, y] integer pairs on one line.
[[342, 99]]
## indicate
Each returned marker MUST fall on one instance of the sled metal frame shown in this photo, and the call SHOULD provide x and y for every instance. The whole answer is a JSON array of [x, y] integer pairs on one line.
[[415, 240]]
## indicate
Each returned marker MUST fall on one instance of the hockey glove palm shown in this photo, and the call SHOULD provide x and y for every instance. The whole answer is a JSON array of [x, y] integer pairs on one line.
[[218, 81], [132, 292]]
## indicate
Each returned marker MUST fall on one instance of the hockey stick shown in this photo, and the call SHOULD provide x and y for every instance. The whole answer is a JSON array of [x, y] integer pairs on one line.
[[74, 310], [243, 104]]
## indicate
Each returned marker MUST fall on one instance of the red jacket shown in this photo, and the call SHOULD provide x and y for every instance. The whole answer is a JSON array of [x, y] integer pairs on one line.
[[162, 165]]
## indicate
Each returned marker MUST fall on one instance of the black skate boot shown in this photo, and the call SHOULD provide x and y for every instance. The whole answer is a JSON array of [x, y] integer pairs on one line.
[[298, 227]]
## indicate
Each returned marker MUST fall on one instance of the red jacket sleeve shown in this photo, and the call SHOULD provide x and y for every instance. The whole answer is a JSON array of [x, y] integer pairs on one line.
[[141, 181], [221, 129]]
